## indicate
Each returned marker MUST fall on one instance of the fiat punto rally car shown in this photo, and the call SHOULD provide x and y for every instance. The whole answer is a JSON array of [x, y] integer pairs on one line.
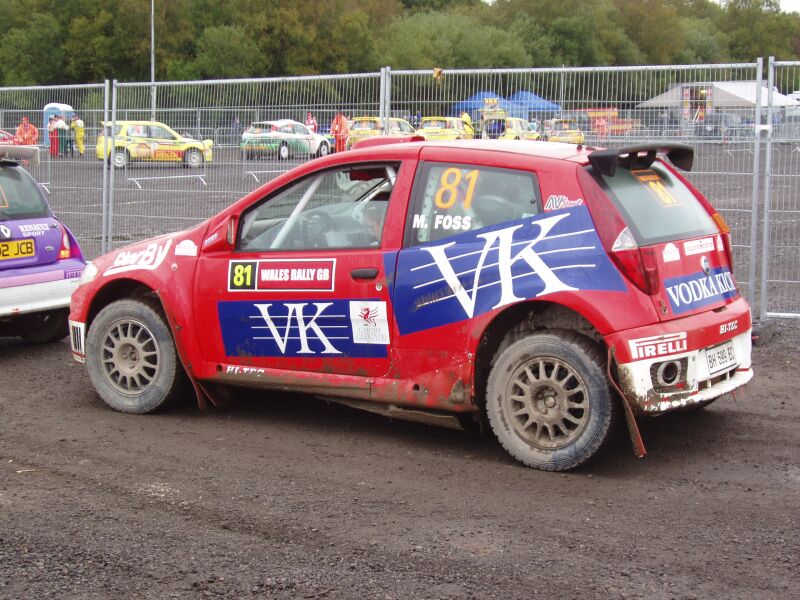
[[551, 288], [40, 261], [151, 141]]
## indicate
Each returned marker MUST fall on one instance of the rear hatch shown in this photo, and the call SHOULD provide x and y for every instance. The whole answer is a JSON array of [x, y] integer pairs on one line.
[[29, 234], [663, 235]]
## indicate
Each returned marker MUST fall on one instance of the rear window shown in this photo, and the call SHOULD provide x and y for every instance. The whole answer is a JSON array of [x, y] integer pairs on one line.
[[657, 206], [19, 196], [364, 125]]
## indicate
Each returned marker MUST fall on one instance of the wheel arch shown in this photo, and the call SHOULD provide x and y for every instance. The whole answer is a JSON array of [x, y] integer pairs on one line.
[[132, 289], [523, 317]]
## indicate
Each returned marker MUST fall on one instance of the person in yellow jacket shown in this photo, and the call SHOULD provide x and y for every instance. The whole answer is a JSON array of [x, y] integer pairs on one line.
[[80, 133]]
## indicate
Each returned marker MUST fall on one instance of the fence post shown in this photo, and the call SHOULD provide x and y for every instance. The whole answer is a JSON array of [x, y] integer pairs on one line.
[[112, 148], [762, 313], [751, 296], [104, 242], [386, 97]]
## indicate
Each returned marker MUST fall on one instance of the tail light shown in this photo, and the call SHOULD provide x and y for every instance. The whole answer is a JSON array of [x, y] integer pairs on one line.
[[725, 232], [639, 265], [66, 247]]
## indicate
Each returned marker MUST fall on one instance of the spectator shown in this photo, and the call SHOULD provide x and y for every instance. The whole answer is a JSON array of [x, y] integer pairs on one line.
[[80, 133], [340, 130], [311, 122], [52, 134], [27, 133], [63, 135]]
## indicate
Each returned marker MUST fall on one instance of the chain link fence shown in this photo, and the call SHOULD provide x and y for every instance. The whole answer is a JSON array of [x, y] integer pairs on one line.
[[780, 282], [182, 151], [64, 169]]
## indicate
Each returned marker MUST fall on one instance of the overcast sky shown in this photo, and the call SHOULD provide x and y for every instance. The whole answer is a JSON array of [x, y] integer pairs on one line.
[[790, 5]]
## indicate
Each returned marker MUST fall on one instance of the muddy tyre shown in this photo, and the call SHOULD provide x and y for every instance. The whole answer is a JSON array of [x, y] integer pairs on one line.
[[131, 357], [548, 399]]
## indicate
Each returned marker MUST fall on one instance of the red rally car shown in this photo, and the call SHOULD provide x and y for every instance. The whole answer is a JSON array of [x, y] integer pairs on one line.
[[551, 288]]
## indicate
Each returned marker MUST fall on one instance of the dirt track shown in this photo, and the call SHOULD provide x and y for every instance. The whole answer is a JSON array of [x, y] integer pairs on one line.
[[300, 499]]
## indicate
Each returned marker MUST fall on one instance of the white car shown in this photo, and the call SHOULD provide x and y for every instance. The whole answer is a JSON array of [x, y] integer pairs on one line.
[[284, 137]]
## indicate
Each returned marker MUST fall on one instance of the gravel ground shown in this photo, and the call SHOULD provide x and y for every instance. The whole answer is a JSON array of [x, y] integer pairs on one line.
[[290, 497]]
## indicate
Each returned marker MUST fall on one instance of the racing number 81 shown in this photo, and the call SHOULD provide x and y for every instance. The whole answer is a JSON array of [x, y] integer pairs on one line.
[[447, 193], [240, 276]]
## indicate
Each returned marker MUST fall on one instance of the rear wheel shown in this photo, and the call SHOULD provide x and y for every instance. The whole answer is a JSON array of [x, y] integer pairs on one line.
[[120, 158], [548, 399], [131, 357], [45, 327]]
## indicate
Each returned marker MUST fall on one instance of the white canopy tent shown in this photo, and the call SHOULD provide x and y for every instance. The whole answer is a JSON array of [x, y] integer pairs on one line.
[[724, 94]]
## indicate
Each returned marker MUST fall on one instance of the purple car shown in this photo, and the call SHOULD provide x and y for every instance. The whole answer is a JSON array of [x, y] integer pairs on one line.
[[40, 261]]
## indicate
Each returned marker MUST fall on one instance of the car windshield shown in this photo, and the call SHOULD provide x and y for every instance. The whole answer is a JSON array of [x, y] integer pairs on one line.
[[261, 128], [19, 196], [107, 129], [364, 125], [656, 205], [433, 124]]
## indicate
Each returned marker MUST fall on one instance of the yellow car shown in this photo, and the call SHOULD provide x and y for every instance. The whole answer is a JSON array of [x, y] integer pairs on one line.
[[151, 141], [502, 127], [562, 130], [365, 127], [445, 128]]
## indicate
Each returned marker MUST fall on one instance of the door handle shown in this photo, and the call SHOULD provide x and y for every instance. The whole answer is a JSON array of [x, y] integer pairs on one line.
[[365, 273]]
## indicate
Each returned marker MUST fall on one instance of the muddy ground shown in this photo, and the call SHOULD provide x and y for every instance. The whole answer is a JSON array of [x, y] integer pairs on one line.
[[290, 497]]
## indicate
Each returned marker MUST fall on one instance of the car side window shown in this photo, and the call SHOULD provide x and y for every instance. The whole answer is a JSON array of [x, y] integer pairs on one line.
[[301, 129], [160, 133], [340, 208], [450, 199]]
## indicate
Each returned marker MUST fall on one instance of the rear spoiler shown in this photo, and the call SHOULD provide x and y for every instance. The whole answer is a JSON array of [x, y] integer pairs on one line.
[[641, 157], [20, 153]]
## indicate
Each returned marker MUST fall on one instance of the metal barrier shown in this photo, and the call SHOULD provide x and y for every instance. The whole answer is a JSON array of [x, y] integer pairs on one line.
[[746, 137], [780, 278]]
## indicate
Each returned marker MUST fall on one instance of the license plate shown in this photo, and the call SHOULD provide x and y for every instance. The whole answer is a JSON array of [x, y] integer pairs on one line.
[[17, 249], [721, 358]]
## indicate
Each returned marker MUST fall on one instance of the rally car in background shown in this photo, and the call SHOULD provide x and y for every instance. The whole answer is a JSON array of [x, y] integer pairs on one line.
[[6, 137], [546, 288], [153, 142], [562, 130], [40, 261], [445, 128], [362, 128], [507, 128], [283, 138]]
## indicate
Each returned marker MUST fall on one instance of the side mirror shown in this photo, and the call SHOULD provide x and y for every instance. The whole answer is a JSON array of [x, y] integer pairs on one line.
[[223, 237]]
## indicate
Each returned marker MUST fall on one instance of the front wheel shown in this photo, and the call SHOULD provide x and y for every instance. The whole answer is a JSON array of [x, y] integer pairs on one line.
[[193, 159], [324, 149], [131, 357], [283, 152], [548, 400]]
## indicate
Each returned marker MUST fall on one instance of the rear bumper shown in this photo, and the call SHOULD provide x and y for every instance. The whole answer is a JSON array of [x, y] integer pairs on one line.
[[684, 342], [37, 297]]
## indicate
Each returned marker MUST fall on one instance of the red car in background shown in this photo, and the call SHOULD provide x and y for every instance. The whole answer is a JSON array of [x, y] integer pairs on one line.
[[6, 137], [543, 289]]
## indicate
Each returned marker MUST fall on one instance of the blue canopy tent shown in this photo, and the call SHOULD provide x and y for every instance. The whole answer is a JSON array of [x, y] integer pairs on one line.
[[477, 102], [533, 103]]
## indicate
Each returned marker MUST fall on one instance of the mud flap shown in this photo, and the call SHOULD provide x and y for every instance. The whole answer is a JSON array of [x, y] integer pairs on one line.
[[633, 429]]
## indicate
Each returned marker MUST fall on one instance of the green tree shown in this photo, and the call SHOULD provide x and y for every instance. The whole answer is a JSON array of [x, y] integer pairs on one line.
[[32, 53], [426, 40]]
